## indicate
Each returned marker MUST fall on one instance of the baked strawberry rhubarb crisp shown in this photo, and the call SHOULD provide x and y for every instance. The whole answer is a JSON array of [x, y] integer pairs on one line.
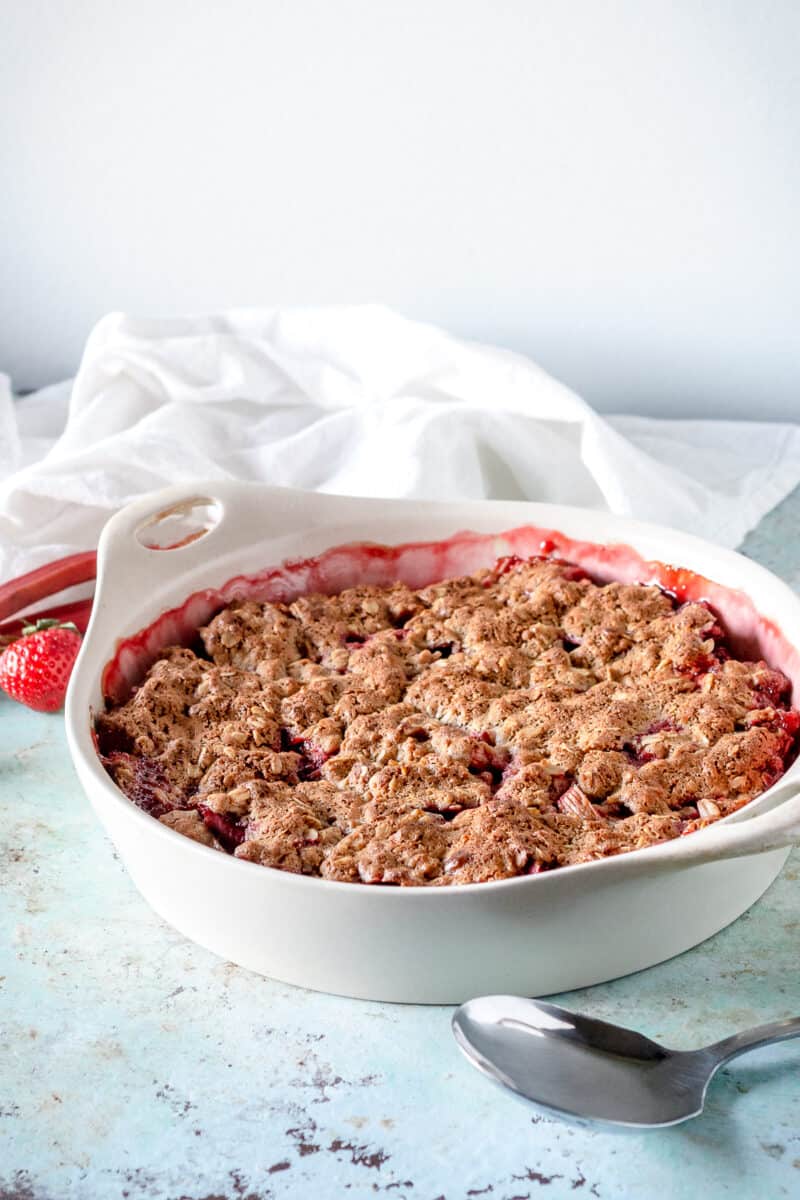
[[501, 724]]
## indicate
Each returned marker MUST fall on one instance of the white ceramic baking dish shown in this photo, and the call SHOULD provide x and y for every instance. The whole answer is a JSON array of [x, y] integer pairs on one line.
[[534, 935]]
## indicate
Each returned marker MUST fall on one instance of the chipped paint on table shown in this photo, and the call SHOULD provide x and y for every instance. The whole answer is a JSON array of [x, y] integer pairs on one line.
[[136, 1065]]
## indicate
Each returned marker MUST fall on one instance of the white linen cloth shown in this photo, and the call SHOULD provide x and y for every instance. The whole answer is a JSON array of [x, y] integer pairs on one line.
[[356, 400]]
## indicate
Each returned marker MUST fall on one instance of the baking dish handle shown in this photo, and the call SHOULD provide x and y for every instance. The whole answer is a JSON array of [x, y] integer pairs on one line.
[[173, 531], [776, 829], [138, 551], [139, 534]]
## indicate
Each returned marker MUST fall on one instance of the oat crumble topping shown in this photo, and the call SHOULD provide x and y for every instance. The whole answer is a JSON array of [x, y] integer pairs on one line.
[[501, 724]]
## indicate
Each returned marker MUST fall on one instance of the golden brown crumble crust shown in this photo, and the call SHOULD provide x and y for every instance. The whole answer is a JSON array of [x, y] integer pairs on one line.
[[501, 724]]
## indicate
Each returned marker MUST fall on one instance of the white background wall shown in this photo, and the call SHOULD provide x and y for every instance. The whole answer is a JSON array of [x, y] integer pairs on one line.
[[612, 188]]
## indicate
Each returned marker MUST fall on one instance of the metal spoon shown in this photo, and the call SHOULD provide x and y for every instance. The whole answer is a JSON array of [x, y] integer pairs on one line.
[[588, 1070]]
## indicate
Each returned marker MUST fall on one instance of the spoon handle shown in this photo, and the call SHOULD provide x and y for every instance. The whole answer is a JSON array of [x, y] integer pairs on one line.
[[749, 1039]]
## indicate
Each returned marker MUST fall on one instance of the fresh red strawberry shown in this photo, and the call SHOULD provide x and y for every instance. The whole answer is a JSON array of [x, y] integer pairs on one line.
[[35, 669]]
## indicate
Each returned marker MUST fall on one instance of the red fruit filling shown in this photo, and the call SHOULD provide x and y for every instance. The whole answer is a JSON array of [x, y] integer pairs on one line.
[[399, 619], [535, 867], [613, 810], [503, 565], [113, 741], [789, 720], [489, 763], [559, 784], [634, 749], [144, 782], [773, 689], [312, 756], [572, 573], [225, 828], [700, 665]]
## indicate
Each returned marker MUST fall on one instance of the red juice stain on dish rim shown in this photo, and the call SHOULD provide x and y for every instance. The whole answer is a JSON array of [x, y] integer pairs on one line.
[[418, 564]]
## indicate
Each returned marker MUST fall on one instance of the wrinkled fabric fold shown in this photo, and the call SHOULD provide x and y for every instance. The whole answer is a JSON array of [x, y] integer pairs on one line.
[[356, 400]]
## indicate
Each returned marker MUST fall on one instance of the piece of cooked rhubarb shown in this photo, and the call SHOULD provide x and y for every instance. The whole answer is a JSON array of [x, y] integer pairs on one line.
[[19, 594], [77, 614]]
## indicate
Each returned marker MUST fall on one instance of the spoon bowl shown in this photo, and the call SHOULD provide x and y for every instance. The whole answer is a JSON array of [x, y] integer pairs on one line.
[[591, 1071]]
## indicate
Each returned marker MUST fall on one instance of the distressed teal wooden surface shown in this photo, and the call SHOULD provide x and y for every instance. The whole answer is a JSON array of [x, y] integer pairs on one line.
[[134, 1064]]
